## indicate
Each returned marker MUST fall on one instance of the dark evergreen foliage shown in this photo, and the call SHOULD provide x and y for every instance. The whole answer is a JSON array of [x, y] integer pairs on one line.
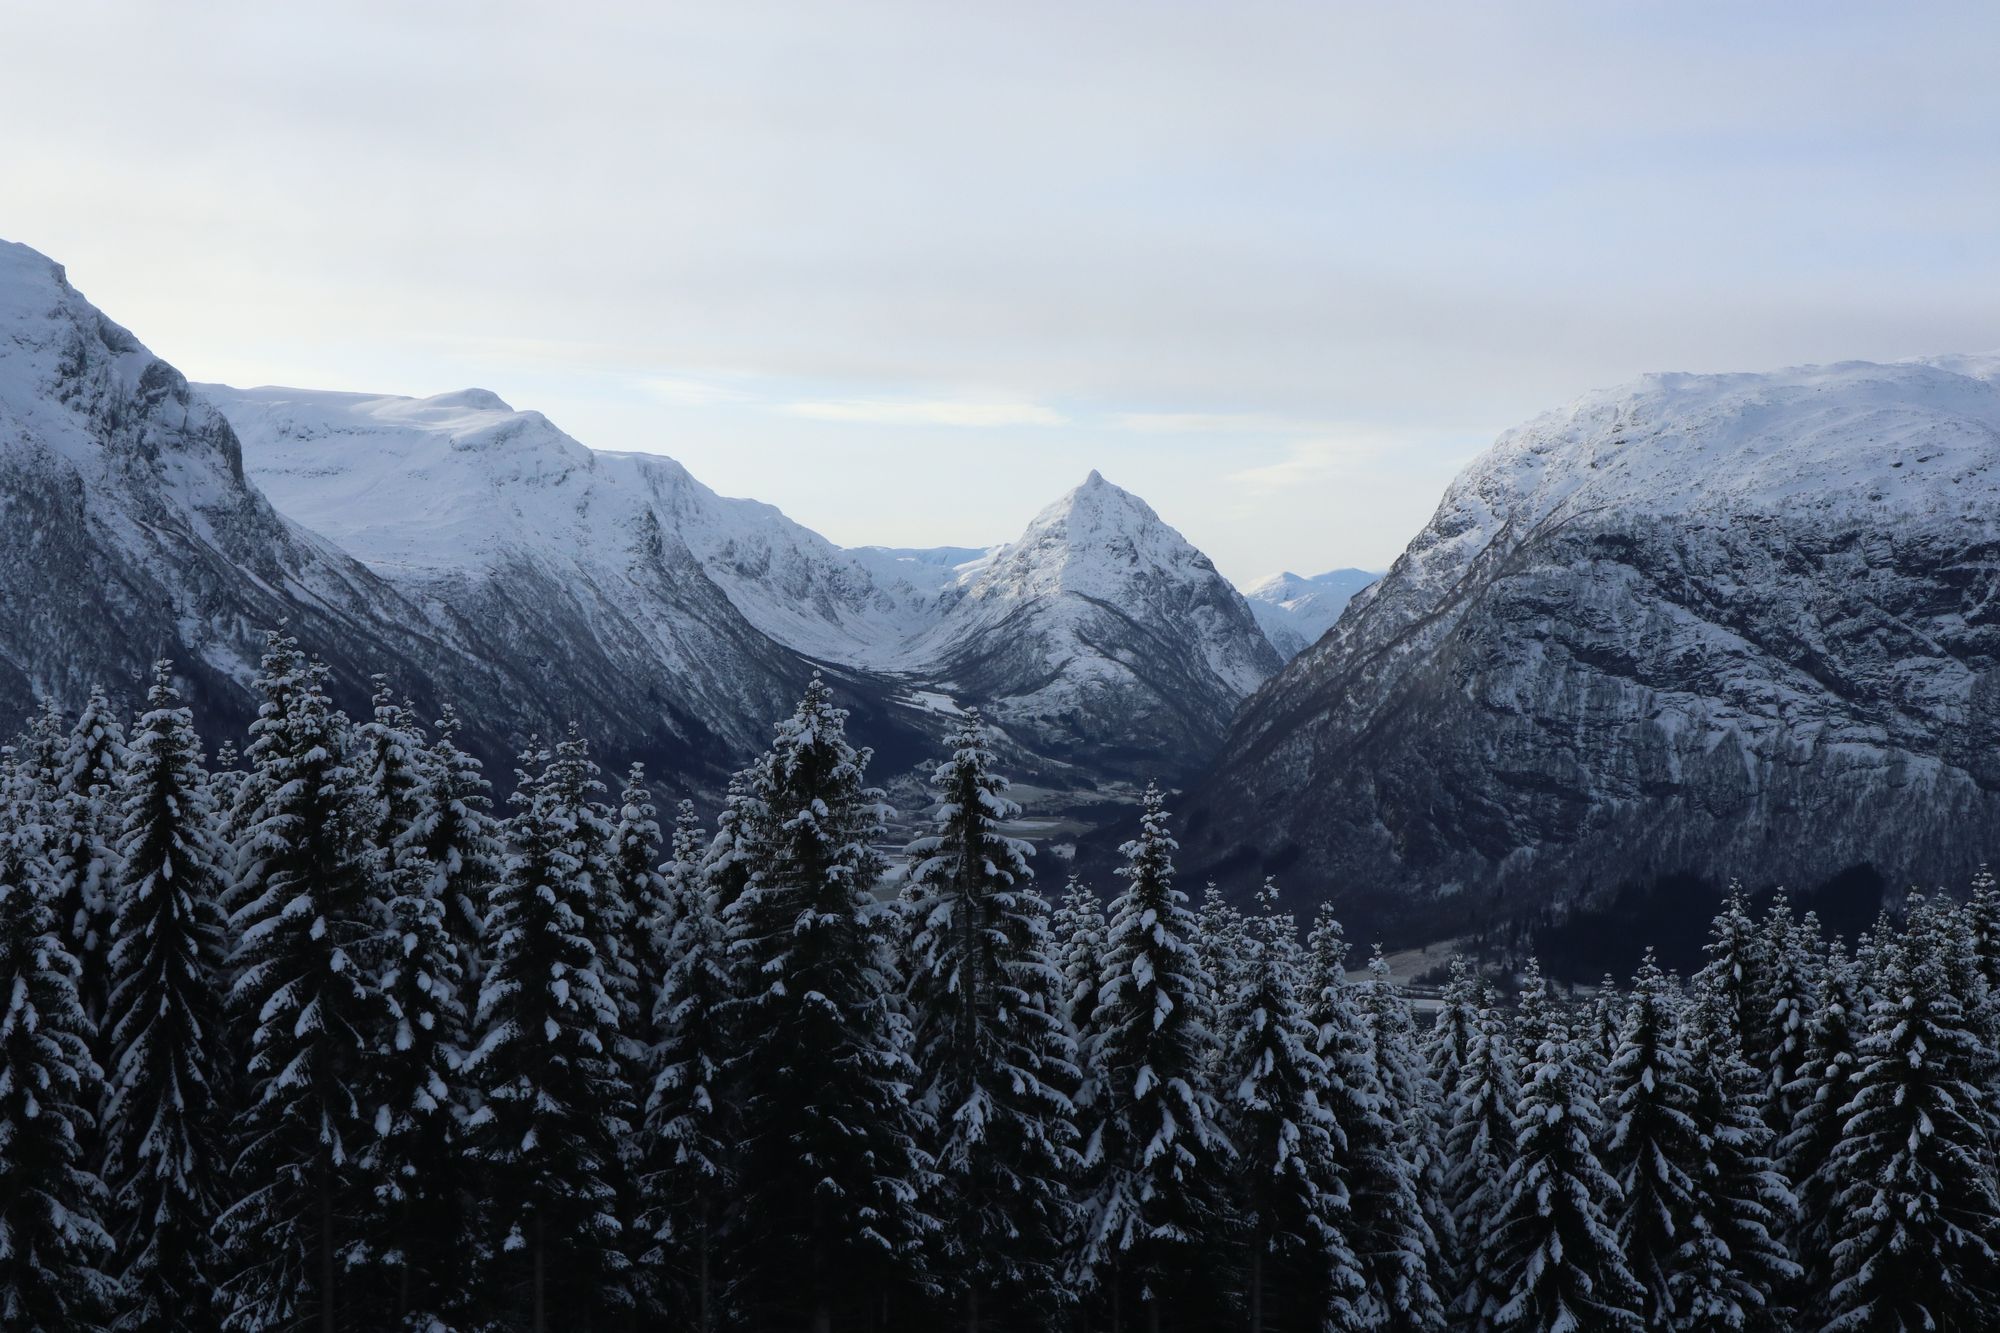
[[825, 1221], [555, 1105], [743, 1089], [168, 1109], [995, 1058], [309, 930]]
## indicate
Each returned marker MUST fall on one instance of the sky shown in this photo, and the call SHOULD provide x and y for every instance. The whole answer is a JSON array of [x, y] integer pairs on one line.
[[910, 271]]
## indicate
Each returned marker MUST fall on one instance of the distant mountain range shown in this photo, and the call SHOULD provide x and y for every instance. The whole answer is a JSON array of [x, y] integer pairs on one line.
[[1295, 611], [478, 555], [1696, 627]]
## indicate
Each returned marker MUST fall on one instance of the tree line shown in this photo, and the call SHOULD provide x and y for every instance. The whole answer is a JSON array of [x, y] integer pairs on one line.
[[311, 1037]]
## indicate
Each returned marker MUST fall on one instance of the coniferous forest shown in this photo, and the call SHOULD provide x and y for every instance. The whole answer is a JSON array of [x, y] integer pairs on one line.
[[315, 1037]]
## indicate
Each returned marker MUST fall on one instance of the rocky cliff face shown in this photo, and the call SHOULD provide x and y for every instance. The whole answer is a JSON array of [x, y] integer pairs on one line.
[[1737, 625]]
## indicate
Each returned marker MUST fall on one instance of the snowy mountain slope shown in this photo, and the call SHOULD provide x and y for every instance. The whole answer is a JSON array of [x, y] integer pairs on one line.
[[126, 525], [1727, 625], [448, 488], [131, 531], [1102, 632], [1294, 611]]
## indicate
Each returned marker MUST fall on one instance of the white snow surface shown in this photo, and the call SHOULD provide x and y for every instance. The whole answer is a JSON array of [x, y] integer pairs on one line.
[[1857, 439], [457, 485]]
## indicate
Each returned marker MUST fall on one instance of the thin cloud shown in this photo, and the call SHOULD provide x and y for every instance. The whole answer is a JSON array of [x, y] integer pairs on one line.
[[1309, 461], [1214, 423], [877, 412], [682, 392]]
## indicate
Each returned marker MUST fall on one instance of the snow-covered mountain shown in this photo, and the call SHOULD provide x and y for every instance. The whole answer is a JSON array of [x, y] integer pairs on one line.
[[1102, 633], [460, 500], [132, 531], [1715, 624], [444, 490], [1294, 611]]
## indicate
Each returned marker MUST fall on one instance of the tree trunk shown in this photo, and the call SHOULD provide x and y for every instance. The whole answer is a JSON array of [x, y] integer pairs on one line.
[[1257, 1289], [1117, 1302], [541, 1293], [326, 1320], [972, 1308], [404, 1234], [1152, 1314], [701, 1279], [822, 1305]]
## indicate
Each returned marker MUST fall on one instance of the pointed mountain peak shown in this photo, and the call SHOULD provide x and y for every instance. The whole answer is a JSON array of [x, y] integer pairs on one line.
[[1096, 506]]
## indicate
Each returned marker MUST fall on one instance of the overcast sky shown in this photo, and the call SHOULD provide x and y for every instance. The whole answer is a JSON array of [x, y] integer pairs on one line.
[[910, 271]]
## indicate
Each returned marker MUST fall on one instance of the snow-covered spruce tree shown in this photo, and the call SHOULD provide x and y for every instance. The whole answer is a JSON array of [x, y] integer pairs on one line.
[[1790, 950], [1412, 1102], [1982, 912], [1449, 1036], [419, 1177], [83, 856], [826, 1225], [1078, 928], [1734, 1269], [555, 1103], [306, 1002], [39, 759], [995, 1058], [1821, 1091], [463, 843], [1554, 1254], [1654, 1147], [1300, 1270], [635, 912], [1444, 1044], [166, 1121], [1221, 941], [688, 1141], [1478, 1150], [1600, 1023], [52, 1242], [1736, 975], [1160, 1197], [389, 774], [1389, 1231], [1917, 1221], [1537, 1016], [223, 776], [634, 963]]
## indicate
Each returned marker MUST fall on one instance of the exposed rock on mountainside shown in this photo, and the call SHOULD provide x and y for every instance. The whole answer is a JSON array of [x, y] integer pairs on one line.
[[1724, 625]]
